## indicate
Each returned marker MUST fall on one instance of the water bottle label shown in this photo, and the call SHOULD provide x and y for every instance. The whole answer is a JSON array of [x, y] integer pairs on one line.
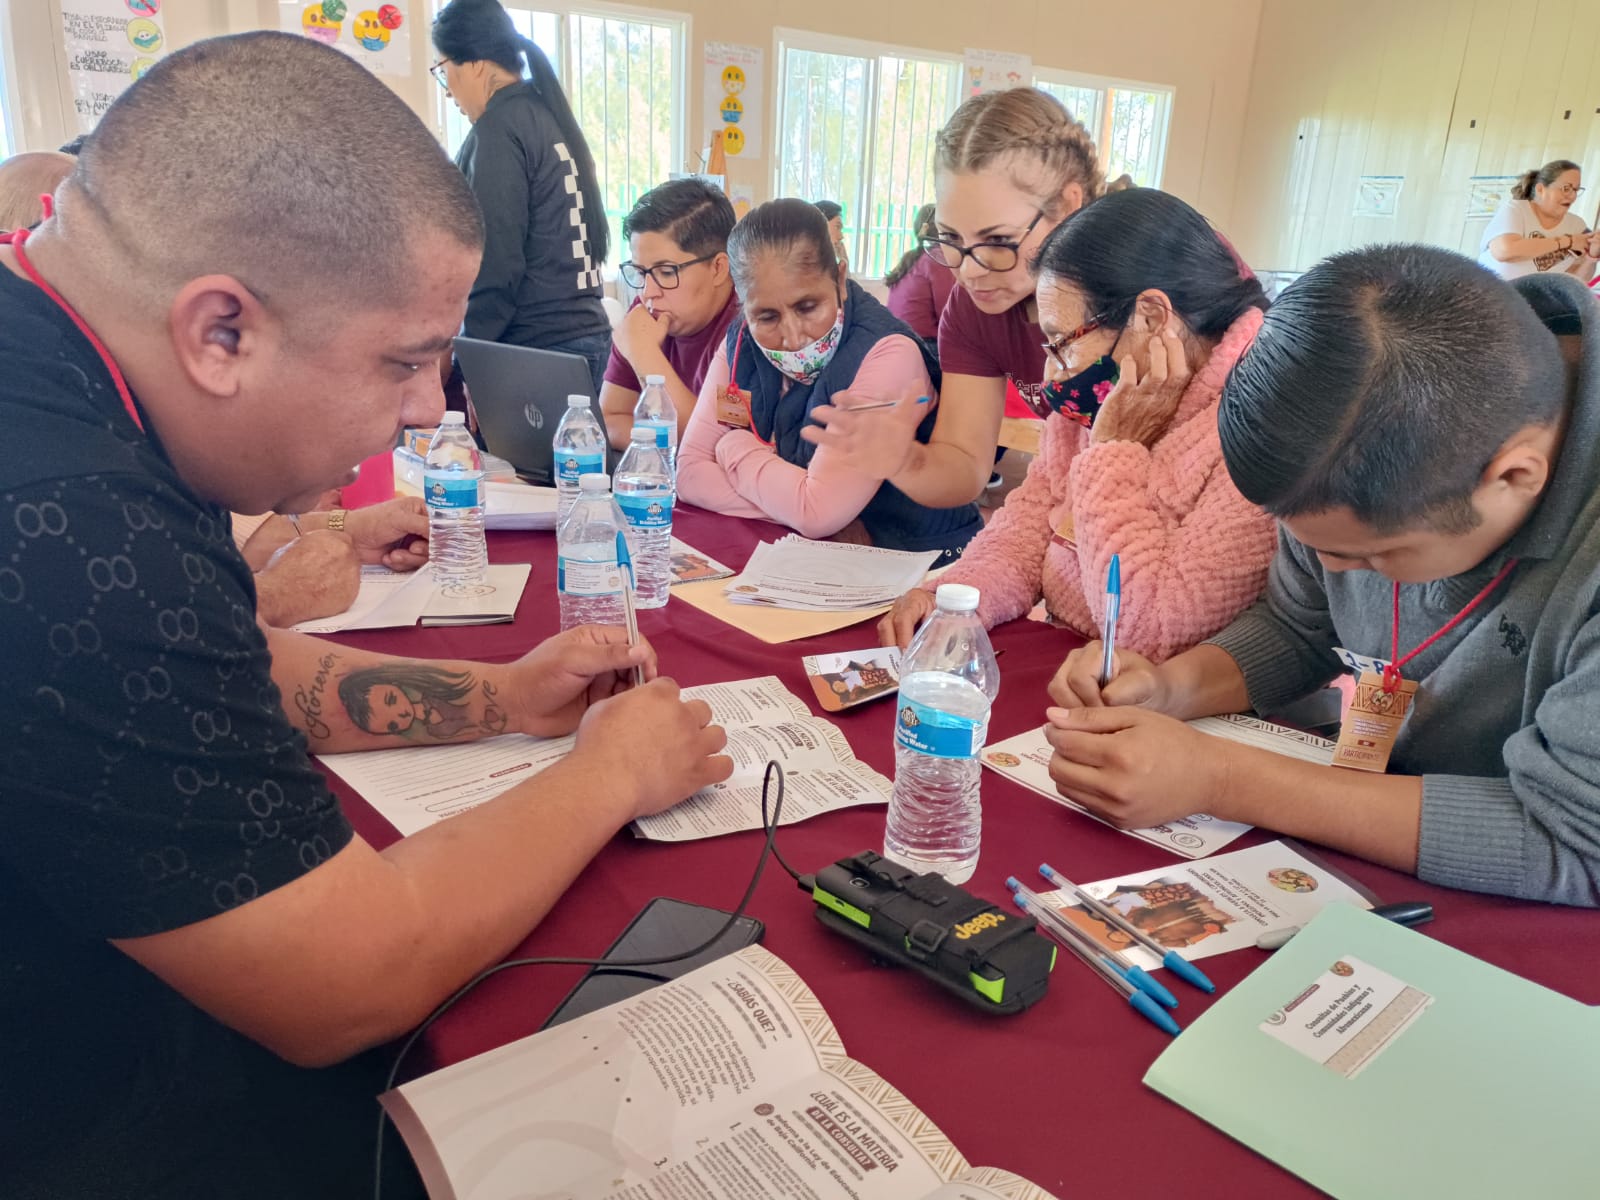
[[453, 491], [941, 734], [666, 432], [574, 577], [646, 511], [569, 467]]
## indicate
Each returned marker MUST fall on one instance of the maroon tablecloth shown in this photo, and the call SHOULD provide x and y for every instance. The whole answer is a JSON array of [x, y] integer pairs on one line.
[[1053, 1094]]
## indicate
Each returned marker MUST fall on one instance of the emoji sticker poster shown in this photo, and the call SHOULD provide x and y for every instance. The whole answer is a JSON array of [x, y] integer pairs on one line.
[[109, 43], [377, 35], [735, 89], [996, 71]]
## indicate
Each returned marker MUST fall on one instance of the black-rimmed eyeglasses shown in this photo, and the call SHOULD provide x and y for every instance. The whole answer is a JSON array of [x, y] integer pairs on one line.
[[665, 274], [991, 256], [437, 71]]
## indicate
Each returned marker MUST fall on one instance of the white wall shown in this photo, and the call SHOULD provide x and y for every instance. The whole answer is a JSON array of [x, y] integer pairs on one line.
[[1203, 51], [1434, 90]]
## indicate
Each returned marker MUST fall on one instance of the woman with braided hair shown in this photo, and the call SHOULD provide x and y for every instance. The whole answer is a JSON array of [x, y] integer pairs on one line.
[[1010, 167]]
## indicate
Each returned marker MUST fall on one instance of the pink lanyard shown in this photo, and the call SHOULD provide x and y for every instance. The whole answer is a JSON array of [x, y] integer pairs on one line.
[[16, 240]]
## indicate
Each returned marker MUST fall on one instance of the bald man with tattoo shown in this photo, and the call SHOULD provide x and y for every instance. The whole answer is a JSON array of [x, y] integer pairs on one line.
[[249, 274]]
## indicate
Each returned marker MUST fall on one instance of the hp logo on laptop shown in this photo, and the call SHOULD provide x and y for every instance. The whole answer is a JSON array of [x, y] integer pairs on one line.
[[534, 414]]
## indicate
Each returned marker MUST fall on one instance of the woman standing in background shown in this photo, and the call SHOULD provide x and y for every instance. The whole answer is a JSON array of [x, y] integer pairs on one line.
[[530, 167], [1536, 229], [919, 286]]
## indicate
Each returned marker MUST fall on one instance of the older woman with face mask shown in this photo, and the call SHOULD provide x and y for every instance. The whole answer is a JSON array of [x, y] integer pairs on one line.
[[809, 337]]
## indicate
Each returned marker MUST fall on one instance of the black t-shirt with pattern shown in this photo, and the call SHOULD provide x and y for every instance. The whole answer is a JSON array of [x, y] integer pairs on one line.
[[150, 780]]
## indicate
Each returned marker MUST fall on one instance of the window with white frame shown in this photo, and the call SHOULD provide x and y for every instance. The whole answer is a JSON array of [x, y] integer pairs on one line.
[[1128, 121], [623, 71], [856, 124]]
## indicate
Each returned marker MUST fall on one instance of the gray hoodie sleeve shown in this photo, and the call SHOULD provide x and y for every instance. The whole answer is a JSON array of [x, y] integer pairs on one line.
[[1534, 833], [1284, 642]]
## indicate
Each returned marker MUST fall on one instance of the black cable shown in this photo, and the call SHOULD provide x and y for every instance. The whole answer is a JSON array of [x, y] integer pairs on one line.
[[769, 849]]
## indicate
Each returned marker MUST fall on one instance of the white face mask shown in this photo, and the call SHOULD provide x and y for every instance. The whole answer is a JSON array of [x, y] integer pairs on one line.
[[805, 364]]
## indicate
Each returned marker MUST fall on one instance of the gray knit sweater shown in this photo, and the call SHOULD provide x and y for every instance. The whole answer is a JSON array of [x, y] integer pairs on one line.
[[1506, 727]]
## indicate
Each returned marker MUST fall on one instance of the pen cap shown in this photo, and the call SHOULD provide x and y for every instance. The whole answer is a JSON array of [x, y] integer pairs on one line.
[[957, 597]]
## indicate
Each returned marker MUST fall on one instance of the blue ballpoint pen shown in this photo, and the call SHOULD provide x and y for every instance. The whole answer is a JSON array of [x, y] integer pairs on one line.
[[1171, 959], [1138, 976], [1137, 1000], [1108, 627]]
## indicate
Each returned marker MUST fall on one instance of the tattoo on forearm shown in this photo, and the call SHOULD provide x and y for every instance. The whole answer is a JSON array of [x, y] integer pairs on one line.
[[494, 717], [309, 700], [411, 700]]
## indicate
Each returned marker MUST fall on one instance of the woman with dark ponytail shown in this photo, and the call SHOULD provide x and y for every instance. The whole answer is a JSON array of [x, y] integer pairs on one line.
[[530, 167]]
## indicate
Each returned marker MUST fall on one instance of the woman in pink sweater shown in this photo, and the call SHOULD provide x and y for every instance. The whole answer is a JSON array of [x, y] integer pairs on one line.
[[1145, 310]]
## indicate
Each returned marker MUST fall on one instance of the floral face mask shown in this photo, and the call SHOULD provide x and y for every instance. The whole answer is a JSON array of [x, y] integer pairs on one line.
[[805, 364]]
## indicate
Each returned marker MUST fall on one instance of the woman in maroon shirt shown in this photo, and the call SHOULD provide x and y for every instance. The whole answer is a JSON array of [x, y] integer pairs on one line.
[[1011, 166], [919, 285]]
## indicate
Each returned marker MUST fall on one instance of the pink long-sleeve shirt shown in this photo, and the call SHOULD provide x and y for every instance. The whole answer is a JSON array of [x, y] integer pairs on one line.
[[732, 471], [1194, 551]]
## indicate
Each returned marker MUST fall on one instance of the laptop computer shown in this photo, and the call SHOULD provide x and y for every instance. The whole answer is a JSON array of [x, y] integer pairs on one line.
[[520, 394]]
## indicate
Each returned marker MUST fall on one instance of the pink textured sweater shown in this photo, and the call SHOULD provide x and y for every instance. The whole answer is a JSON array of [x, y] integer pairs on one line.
[[1194, 551]]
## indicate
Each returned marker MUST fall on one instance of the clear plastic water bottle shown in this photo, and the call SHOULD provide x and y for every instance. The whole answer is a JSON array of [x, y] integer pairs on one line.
[[452, 485], [656, 411], [578, 448], [948, 682], [646, 491], [592, 558]]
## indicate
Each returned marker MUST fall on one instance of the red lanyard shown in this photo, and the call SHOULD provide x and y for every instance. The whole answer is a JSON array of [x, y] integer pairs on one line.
[[16, 240], [734, 390], [1391, 673]]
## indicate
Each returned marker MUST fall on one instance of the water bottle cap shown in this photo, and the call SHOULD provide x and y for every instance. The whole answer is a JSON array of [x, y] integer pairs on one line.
[[957, 597], [578, 402], [643, 433], [453, 418], [657, 379], [594, 481]]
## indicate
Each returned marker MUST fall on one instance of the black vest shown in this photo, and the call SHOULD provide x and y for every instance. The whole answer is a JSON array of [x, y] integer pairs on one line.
[[892, 519]]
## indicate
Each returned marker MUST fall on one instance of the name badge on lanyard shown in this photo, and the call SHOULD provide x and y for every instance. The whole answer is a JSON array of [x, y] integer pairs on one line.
[[1384, 697]]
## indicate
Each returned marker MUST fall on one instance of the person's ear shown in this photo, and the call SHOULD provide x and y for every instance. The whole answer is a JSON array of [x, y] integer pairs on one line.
[[1072, 198], [218, 330], [720, 269], [1152, 313], [1520, 469]]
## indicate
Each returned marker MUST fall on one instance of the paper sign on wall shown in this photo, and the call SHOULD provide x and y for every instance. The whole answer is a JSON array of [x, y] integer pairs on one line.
[[734, 86], [110, 43], [1378, 195], [377, 36], [996, 71], [1486, 193]]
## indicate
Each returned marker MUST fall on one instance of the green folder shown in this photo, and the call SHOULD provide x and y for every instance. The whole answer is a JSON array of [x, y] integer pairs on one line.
[[1492, 1091]]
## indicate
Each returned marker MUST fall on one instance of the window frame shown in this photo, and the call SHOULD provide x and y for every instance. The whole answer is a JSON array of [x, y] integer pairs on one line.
[[1105, 85], [785, 38]]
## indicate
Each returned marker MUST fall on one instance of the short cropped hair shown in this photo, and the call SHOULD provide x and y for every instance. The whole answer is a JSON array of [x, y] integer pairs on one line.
[[273, 159], [1384, 380], [695, 215]]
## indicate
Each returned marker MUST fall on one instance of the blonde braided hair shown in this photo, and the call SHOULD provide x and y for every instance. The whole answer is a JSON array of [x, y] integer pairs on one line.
[[1029, 132]]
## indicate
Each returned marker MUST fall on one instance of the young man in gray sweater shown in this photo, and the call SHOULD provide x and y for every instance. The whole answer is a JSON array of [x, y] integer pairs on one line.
[[1428, 437]]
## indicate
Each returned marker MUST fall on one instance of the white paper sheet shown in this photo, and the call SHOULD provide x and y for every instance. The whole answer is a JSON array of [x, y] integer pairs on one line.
[[397, 599], [413, 788], [826, 576]]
